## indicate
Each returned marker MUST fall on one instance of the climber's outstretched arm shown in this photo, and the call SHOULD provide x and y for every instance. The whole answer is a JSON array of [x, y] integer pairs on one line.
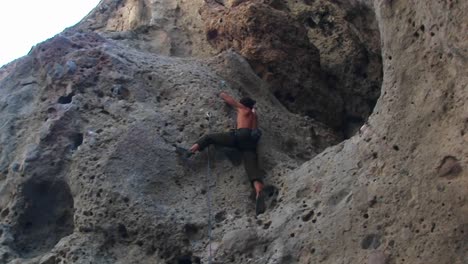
[[230, 101]]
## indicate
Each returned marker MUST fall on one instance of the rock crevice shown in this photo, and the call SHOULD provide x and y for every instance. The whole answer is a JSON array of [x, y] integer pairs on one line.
[[90, 119]]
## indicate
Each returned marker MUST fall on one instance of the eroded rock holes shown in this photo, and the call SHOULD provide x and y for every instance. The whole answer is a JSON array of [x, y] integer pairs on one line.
[[66, 99], [45, 215], [77, 140], [371, 241], [449, 167]]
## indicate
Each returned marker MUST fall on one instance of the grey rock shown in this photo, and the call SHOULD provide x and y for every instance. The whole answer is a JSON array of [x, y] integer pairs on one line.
[[15, 167], [121, 195], [58, 71], [71, 67], [32, 153], [377, 257]]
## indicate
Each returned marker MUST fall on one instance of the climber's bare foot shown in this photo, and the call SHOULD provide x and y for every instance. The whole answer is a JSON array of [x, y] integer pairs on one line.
[[258, 187], [194, 148], [260, 198]]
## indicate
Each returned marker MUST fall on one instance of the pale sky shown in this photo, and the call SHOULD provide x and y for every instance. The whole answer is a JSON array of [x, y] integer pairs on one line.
[[24, 23]]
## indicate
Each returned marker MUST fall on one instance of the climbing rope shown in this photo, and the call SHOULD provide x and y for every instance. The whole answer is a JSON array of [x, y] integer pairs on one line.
[[208, 177]]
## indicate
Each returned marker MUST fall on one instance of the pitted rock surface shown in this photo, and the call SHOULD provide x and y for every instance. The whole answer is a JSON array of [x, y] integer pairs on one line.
[[349, 42], [321, 59], [90, 118]]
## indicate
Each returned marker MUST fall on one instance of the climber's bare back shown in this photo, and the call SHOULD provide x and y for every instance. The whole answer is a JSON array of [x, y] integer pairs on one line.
[[246, 118]]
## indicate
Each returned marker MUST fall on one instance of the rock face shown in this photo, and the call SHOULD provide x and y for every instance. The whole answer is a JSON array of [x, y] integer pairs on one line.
[[278, 39], [349, 43], [339, 86], [166, 27], [279, 51], [89, 120]]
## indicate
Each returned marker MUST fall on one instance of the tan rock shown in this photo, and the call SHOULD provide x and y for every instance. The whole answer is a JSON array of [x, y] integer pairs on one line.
[[89, 120]]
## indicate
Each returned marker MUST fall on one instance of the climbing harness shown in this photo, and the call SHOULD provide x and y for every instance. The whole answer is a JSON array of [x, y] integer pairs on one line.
[[208, 177]]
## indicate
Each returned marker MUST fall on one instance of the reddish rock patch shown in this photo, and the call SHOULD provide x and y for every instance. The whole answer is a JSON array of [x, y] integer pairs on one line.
[[279, 51]]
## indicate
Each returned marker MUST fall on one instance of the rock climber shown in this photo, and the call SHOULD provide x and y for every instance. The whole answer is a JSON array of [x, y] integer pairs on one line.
[[244, 138]]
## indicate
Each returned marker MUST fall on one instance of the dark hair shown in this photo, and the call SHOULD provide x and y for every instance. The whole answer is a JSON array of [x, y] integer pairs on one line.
[[248, 102]]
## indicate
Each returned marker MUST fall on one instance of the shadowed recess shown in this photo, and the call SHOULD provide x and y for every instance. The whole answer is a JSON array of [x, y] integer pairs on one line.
[[45, 215]]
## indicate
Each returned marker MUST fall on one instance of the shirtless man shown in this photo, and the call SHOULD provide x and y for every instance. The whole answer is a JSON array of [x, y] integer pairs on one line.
[[245, 139]]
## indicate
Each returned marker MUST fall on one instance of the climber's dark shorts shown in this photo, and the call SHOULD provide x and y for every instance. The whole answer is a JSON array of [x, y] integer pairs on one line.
[[242, 140]]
